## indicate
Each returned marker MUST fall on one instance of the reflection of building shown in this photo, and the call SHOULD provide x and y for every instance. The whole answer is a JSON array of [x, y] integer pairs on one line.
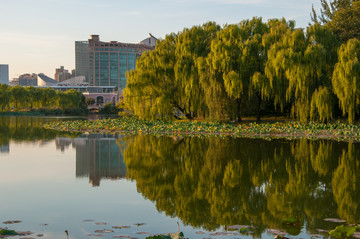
[[62, 143], [4, 74], [4, 148], [99, 157]]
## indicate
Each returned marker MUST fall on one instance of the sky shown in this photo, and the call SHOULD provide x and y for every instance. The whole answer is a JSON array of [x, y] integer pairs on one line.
[[38, 36]]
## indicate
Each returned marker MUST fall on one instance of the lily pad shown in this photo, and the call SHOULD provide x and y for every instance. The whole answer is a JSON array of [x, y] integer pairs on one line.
[[104, 231], [291, 221], [140, 224], [12, 222], [4, 232], [101, 223], [334, 220], [343, 231], [121, 227], [122, 236]]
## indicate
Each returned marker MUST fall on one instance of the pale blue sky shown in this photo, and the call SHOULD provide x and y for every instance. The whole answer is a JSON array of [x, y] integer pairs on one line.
[[39, 35]]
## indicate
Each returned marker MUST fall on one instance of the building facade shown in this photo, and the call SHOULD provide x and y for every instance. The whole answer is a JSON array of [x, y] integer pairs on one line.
[[4, 74], [82, 59], [28, 80], [109, 61], [61, 74]]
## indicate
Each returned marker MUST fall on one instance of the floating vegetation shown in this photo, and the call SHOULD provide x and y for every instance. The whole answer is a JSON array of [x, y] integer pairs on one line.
[[140, 224], [104, 231], [291, 221], [12, 222], [344, 231], [5, 232], [121, 227], [334, 220], [101, 223], [289, 130]]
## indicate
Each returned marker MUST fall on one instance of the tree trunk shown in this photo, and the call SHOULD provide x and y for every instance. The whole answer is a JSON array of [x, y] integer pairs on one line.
[[238, 110], [258, 107]]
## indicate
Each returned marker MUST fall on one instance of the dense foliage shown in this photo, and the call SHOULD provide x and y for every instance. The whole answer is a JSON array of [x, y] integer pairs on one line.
[[212, 182], [250, 68], [18, 98]]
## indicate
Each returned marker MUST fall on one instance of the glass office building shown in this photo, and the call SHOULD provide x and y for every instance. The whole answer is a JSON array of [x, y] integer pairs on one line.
[[82, 59], [4, 74], [109, 61]]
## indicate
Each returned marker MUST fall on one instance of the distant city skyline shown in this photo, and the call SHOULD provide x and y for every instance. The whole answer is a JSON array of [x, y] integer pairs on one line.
[[39, 36]]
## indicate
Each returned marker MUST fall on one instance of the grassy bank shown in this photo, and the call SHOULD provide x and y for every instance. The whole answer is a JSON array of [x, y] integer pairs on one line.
[[132, 126]]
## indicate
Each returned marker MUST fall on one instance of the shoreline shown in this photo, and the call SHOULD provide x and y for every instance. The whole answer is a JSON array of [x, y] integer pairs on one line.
[[277, 130]]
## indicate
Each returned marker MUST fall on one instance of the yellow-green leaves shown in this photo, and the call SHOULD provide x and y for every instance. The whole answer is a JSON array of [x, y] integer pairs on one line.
[[346, 78]]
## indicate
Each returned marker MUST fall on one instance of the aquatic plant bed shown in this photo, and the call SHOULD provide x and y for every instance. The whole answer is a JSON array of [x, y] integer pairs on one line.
[[132, 126]]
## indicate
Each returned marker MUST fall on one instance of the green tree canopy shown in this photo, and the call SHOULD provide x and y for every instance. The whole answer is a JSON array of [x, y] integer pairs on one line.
[[346, 78], [341, 16]]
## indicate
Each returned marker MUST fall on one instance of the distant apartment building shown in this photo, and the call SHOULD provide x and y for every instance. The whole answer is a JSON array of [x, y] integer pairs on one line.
[[82, 59], [62, 74], [27, 80], [4, 74], [109, 61]]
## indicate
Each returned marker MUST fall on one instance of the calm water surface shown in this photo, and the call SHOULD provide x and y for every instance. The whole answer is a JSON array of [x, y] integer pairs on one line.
[[54, 182]]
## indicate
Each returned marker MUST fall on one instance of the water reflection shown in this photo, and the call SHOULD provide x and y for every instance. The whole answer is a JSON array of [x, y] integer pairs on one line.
[[26, 129], [97, 157], [212, 182]]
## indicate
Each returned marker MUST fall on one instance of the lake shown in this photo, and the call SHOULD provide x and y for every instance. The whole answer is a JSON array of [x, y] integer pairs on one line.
[[114, 186]]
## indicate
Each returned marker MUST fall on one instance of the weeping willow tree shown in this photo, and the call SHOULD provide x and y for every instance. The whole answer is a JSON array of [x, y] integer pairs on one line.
[[322, 99], [151, 91], [301, 63], [275, 66], [346, 78], [237, 54], [190, 45], [254, 58], [166, 82]]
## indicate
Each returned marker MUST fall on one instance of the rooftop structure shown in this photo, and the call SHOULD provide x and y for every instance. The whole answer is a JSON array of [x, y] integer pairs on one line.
[[74, 81], [150, 41], [44, 80]]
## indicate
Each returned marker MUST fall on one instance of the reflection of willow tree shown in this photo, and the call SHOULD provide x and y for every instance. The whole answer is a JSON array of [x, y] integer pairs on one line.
[[211, 182], [345, 184], [24, 129]]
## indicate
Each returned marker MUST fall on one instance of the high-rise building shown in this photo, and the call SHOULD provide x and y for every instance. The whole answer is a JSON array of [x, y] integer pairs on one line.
[[82, 59], [109, 61], [62, 74], [4, 74]]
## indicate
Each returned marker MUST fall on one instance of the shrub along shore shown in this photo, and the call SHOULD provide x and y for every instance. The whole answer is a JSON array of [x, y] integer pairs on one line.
[[287, 129]]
